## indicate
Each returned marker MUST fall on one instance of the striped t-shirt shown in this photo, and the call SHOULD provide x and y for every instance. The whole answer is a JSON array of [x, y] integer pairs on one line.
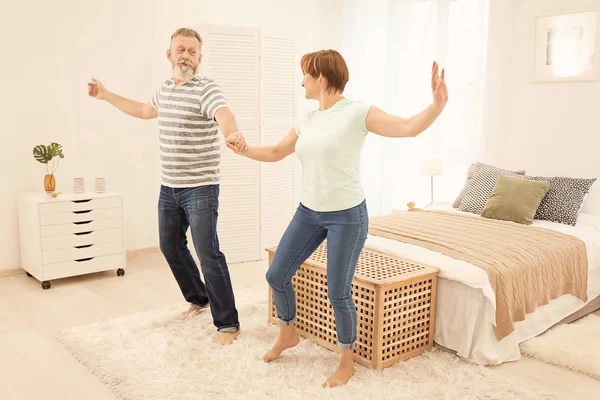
[[190, 149]]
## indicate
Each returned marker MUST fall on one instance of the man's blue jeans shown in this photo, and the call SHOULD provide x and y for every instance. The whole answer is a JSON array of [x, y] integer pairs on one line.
[[346, 233], [197, 209]]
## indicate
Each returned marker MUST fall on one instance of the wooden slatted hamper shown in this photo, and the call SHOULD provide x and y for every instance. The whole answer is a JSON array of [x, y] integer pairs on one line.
[[395, 305]]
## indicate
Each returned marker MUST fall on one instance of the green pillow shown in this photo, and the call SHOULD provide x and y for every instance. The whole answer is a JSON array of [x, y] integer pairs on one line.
[[515, 199]]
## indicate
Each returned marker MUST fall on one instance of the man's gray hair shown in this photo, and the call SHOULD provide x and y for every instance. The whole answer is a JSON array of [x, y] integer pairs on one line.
[[188, 33]]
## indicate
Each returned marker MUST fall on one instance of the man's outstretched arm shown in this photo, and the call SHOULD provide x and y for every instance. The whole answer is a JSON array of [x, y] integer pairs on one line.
[[134, 108]]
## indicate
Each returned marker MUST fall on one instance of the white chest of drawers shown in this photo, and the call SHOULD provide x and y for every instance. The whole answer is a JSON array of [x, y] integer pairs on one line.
[[71, 235]]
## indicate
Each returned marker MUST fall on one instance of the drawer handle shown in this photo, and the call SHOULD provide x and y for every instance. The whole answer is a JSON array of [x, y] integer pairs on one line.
[[81, 201], [82, 222], [84, 246], [83, 233], [84, 259], [82, 212]]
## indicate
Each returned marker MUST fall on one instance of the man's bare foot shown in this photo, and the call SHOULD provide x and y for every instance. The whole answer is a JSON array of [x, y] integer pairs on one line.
[[226, 338], [283, 343], [193, 310], [344, 372]]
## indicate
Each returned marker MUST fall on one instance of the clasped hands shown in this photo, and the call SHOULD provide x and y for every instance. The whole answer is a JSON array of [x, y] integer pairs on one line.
[[236, 143]]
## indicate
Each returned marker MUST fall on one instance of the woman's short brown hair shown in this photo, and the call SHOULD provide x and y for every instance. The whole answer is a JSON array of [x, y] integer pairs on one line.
[[328, 63]]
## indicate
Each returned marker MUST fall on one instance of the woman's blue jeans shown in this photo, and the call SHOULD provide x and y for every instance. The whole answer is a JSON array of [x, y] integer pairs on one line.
[[346, 233]]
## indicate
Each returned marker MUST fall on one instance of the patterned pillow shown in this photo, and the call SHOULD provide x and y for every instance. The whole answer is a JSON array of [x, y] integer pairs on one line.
[[481, 186], [564, 199], [470, 171]]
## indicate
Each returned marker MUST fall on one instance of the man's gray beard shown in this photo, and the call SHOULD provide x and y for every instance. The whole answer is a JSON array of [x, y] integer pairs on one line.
[[182, 75]]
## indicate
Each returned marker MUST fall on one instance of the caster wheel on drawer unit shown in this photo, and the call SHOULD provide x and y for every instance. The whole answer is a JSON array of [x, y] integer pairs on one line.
[[29, 275], [46, 285], [120, 272]]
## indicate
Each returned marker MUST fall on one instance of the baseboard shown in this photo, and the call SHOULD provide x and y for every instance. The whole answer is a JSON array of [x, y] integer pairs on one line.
[[10, 272]]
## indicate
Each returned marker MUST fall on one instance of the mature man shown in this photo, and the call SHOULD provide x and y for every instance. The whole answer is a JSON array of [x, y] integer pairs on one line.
[[187, 107]]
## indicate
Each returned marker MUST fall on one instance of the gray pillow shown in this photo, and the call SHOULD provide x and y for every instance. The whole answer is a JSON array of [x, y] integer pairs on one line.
[[470, 172], [564, 199]]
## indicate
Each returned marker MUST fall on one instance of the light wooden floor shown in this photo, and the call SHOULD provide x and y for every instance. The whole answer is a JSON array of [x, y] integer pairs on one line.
[[33, 366]]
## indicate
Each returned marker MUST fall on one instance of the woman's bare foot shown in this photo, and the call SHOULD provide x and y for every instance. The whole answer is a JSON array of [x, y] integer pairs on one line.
[[226, 338], [287, 339], [193, 310], [344, 372]]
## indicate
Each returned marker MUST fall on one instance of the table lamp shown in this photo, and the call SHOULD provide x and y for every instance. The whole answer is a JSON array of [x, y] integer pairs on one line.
[[432, 165]]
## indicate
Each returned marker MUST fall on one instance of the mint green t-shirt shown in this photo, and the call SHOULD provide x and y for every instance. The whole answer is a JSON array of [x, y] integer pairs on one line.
[[329, 146]]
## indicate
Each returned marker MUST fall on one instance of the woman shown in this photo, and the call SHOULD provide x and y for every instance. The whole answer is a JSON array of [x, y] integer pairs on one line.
[[328, 142]]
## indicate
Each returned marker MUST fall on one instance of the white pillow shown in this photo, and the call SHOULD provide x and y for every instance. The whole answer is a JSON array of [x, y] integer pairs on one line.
[[591, 204], [589, 220]]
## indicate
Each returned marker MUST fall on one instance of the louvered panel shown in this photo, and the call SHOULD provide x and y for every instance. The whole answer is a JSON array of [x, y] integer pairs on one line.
[[231, 58], [277, 81], [278, 84], [277, 196], [232, 61], [277, 201], [239, 210]]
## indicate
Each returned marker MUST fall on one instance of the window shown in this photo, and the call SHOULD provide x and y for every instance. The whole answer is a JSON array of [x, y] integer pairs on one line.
[[390, 46]]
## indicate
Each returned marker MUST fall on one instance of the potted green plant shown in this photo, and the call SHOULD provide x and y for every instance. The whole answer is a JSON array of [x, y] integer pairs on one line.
[[49, 155]]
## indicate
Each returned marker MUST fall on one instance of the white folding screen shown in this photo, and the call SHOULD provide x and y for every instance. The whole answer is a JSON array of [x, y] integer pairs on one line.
[[256, 73], [277, 114], [231, 58]]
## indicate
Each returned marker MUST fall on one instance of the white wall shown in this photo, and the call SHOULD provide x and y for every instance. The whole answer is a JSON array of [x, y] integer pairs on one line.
[[50, 49], [553, 127]]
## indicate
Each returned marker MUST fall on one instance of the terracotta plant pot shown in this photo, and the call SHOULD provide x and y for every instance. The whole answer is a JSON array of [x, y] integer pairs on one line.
[[49, 183]]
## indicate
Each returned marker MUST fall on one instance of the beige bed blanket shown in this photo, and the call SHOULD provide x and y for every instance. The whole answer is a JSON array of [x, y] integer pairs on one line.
[[527, 266]]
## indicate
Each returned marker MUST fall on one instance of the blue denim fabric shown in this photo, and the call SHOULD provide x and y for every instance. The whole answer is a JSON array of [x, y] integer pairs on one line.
[[197, 209], [346, 233]]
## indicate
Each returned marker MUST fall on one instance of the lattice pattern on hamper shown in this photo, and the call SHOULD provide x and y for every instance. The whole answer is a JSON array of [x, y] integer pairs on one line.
[[373, 266], [394, 299], [406, 323]]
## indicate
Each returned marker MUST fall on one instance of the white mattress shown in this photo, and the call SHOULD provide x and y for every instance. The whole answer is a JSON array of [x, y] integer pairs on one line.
[[466, 305]]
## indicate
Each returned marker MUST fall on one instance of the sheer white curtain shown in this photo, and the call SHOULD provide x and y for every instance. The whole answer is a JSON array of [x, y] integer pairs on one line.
[[390, 46]]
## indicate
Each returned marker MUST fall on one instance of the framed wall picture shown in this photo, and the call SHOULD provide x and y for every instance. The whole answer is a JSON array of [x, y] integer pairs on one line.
[[566, 47], [78, 186], [100, 185]]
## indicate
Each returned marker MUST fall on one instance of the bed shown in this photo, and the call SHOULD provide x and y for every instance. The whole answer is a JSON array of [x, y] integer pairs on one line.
[[466, 313]]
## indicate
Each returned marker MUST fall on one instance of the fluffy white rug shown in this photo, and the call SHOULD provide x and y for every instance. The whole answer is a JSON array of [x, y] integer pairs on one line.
[[575, 346], [152, 355]]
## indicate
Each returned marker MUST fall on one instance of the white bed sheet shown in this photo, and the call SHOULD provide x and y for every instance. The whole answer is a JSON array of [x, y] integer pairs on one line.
[[466, 304]]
